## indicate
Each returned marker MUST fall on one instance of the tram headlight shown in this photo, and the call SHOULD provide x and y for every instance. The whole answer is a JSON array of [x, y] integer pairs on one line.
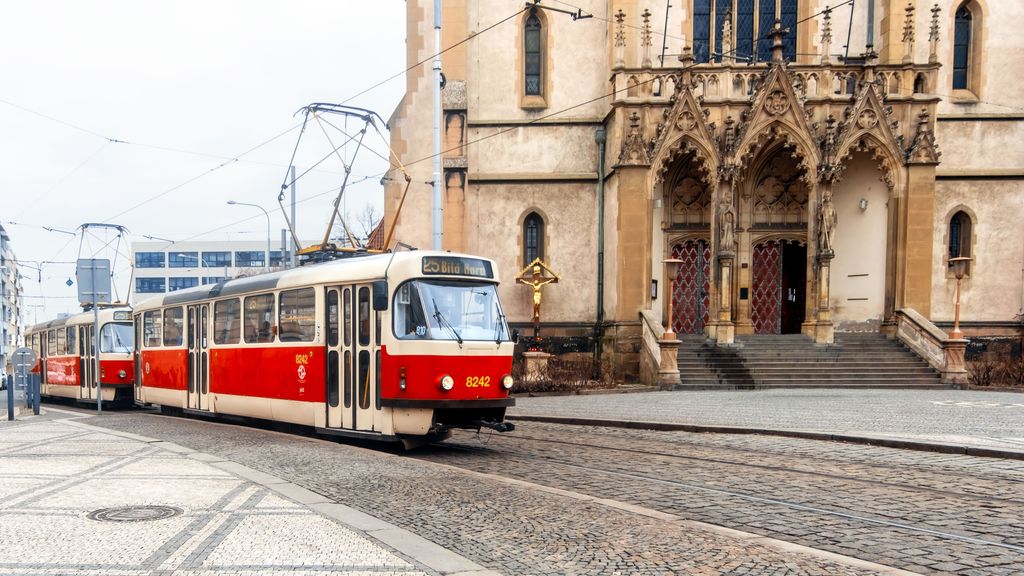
[[447, 382], [122, 374], [507, 381]]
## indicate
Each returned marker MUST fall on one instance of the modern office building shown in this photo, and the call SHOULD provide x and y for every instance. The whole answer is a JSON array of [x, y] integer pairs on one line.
[[164, 267], [11, 325]]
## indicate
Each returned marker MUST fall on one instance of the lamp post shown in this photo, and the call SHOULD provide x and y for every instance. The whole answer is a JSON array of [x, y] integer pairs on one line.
[[671, 266], [266, 261], [959, 266]]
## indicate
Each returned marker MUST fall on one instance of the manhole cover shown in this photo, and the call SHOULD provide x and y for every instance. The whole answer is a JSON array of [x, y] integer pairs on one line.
[[134, 513]]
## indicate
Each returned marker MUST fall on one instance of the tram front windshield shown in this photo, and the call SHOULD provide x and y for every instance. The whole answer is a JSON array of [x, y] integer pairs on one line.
[[448, 310], [118, 338]]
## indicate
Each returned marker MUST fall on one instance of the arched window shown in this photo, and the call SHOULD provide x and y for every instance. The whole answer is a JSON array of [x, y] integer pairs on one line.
[[749, 21], [962, 48], [532, 55], [533, 238], [960, 236]]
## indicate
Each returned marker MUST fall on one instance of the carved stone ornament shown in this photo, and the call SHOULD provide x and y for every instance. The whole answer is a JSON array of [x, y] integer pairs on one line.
[[776, 103], [634, 149], [867, 119], [686, 122], [923, 150]]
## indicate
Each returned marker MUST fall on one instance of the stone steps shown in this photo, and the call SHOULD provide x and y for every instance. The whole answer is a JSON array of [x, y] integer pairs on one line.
[[855, 360]]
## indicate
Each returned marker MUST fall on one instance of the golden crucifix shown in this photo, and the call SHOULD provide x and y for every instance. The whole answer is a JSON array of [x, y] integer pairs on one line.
[[536, 274]]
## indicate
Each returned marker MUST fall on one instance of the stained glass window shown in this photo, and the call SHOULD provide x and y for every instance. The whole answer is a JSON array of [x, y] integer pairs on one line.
[[532, 53], [701, 30], [961, 47]]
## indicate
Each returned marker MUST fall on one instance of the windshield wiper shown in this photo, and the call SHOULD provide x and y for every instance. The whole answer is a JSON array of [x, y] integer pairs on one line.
[[444, 322], [499, 327]]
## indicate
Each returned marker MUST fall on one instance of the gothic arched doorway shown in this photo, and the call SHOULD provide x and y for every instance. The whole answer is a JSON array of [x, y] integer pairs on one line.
[[691, 297], [778, 287]]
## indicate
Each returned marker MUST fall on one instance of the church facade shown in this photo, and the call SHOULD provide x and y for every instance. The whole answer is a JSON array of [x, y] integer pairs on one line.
[[727, 167]]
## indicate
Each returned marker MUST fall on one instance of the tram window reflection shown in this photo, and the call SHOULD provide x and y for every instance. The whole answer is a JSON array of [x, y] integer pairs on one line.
[[174, 321], [227, 321], [297, 315], [152, 328], [259, 311]]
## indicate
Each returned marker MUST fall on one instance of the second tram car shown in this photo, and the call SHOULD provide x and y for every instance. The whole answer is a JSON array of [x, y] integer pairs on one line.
[[66, 353], [389, 346]]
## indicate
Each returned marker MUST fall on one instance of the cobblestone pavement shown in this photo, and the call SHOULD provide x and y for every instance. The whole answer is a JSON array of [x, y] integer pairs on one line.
[[921, 512], [978, 419], [585, 510], [190, 517]]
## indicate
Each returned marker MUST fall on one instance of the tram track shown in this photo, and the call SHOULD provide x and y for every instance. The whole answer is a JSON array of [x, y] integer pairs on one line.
[[770, 501], [784, 469]]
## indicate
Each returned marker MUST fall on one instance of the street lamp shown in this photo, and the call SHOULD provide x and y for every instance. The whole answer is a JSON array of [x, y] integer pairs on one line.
[[671, 266], [203, 264], [266, 262], [959, 266]]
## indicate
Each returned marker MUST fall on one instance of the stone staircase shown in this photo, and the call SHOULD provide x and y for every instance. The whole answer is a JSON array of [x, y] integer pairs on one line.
[[855, 360]]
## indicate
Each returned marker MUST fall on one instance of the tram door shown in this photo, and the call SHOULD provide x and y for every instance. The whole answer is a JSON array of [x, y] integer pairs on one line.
[[137, 355], [336, 353], [198, 357], [351, 372], [87, 356]]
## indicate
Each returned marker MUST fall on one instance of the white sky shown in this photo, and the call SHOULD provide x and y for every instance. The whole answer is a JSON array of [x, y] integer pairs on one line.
[[215, 77]]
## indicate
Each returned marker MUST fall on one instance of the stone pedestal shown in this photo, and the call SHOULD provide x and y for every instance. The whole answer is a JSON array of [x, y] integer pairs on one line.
[[536, 366], [668, 367], [725, 330], [955, 370], [824, 331]]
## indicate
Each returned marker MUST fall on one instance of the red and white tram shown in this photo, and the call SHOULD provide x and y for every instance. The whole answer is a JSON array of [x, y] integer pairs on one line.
[[389, 346], [66, 350]]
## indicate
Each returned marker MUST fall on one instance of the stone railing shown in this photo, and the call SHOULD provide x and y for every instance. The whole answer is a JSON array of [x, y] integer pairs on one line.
[[929, 342], [659, 363], [816, 82]]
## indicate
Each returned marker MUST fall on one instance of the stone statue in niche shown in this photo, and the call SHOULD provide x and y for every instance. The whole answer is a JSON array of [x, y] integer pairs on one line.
[[826, 223], [726, 227]]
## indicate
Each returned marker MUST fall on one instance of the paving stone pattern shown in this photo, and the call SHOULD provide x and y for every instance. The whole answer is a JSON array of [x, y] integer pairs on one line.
[[897, 508], [973, 418], [53, 474], [511, 529]]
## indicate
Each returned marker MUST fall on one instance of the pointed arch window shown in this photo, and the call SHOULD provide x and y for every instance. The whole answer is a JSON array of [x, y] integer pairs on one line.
[[749, 21], [962, 48], [533, 55], [960, 237], [533, 238]]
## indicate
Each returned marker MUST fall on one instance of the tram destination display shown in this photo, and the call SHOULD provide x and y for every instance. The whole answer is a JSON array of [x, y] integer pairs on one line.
[[457, 266]]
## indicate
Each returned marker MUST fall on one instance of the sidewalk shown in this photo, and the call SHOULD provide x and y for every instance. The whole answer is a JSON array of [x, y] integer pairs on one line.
[[80, 499], [954, 421]]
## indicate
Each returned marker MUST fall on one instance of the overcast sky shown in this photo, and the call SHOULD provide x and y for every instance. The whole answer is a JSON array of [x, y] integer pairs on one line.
[[209, 79]]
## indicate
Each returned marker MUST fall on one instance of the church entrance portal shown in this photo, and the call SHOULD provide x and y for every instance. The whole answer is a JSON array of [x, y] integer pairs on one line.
[[778, 291]]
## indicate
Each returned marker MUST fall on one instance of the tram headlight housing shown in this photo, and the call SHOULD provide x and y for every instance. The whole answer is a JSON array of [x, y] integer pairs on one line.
[[447, 382], [122, 374], [507, 381]]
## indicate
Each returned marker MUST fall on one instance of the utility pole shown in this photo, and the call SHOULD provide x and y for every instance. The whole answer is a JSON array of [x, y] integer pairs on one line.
[[664, 35], [295, 228], [438, 227]]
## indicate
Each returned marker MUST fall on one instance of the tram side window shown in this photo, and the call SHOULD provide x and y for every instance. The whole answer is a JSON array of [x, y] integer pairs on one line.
[[51, 343], [297, 315], [71, 340], [62, 343], [259, 312], [364, 316], [227, 321], [174, 322], [152, 329]]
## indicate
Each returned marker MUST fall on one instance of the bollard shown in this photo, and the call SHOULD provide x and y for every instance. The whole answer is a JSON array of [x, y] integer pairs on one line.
[[10, 398], [37, 392]]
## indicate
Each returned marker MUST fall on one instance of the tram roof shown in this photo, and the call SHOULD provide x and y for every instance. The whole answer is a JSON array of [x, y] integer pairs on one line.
[[368, 267], [105, 314]]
